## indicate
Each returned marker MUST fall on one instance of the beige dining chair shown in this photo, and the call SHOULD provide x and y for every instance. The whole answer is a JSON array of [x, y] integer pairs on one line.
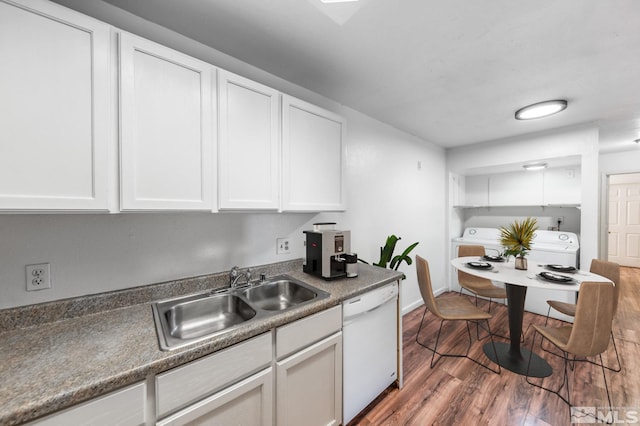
[[610, 270], [478, 286], [588, 336], [448, 309]]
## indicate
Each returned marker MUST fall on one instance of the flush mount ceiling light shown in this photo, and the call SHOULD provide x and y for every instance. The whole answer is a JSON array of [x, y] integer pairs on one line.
[[535, 166], [541, 109]]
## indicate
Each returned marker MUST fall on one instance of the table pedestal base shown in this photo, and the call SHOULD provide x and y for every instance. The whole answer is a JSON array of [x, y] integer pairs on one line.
[[518, 363]]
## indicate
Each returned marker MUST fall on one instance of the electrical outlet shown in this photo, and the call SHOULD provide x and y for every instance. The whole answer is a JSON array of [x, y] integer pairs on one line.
[[282, 246], [560, 219], [38, 276]]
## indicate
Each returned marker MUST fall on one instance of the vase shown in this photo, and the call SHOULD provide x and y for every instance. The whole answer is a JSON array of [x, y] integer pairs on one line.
[[521, 263]]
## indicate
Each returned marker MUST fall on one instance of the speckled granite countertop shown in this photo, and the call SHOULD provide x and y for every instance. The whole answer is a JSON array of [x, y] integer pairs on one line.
[[48, 366]]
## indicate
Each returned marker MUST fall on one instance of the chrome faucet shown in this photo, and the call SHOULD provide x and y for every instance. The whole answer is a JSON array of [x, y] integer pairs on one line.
[[235, 275]]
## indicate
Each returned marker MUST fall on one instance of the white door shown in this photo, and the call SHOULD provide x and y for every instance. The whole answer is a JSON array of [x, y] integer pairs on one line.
[[624, 219], [54, 108], [167, 152]]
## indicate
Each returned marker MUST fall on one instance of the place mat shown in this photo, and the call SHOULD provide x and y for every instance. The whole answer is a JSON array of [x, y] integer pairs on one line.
[[479, 265], [556, 278], [561, 268], [490, 258]]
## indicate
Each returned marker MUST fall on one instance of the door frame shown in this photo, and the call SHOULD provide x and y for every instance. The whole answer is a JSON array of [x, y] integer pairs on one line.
[[604, 211]]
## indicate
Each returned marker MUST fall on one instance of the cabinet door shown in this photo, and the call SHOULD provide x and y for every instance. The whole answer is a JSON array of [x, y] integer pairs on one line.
[[166, 141], [248, 144], [562, 186], [124, 407], [476, 191], [54, 98], [312, 156], [516, 189], [309, 385], [247, 403]]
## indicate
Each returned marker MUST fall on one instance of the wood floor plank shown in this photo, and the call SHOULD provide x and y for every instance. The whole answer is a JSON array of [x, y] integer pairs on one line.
[[459, 392]]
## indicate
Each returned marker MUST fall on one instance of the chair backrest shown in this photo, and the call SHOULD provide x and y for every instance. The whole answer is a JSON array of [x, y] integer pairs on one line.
[[424, 282], [467, 279], [591, 328], [609, 270]]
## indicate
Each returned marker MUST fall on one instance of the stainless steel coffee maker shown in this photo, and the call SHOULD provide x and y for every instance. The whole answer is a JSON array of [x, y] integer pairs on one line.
[[325, 253]]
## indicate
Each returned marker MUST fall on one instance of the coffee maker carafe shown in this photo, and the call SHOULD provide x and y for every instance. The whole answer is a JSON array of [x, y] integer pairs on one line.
[[325, 253]]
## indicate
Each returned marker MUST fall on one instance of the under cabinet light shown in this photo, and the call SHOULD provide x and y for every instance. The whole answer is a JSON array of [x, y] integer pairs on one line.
[[535, 166], [541, 109]]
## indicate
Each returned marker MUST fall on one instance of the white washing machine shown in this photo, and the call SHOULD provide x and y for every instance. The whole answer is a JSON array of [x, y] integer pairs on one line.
[[554, 247]]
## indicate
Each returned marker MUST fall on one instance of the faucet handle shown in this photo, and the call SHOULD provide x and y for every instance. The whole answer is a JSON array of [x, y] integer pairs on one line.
[[233, 272], [248, 274]]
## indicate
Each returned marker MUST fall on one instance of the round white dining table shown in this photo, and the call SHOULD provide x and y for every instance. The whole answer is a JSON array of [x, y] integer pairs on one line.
[[510, 355]]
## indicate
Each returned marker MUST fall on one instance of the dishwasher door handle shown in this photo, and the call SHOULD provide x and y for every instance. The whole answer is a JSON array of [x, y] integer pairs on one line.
[[359, 314]]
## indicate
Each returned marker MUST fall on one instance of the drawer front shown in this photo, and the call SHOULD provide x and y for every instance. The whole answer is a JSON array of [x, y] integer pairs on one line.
[[125, 407], [293, 337], [187, 384]]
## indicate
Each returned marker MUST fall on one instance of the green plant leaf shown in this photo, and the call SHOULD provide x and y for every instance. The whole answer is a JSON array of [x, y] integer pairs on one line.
[[518, 236], [386, 252], [404, 257]]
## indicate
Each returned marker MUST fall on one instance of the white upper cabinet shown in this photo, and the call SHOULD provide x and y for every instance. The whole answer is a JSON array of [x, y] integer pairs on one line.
[[516, 189], [167, 153], [248, 144], [313, 157], [562, 186], [54, 98], [476, 191]]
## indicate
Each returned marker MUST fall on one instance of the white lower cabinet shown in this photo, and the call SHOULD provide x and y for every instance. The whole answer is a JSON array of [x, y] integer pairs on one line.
[[249, 402], [299, 382], [309, 385], [124, 407], [309, 370], [201, 387]]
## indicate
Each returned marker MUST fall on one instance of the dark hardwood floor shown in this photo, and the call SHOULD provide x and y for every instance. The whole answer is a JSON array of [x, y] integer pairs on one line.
[[459, 392]]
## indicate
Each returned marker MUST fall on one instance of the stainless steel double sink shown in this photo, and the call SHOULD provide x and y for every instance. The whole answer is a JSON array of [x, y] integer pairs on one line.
[[188, 319]]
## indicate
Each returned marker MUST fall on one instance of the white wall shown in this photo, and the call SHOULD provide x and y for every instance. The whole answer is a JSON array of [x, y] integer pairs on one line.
[[96, 253]]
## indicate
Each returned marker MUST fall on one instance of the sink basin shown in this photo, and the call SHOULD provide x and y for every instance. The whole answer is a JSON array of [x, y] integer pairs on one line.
[[184, 320], [205, 316], [279, 295], [188, 319]]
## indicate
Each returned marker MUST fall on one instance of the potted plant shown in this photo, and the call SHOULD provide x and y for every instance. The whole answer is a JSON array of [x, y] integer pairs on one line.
[[516, 240], [387, 257]]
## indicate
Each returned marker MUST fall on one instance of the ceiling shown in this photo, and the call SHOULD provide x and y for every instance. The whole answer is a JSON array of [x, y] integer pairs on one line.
[[452, 72]]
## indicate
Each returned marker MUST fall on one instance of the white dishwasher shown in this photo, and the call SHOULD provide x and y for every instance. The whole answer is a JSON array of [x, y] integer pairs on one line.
[[370, 347]]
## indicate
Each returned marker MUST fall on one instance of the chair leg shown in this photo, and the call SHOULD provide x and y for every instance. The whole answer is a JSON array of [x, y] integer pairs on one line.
[[546, 320], [565, 380], [615, 349], [435, 352]]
